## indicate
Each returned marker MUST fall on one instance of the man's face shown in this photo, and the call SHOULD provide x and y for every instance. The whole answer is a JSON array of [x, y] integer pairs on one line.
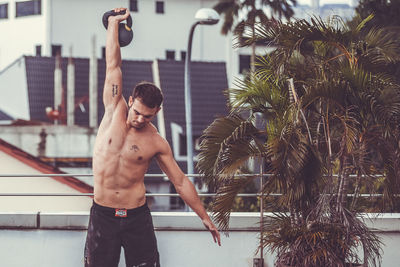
[[139, 114]]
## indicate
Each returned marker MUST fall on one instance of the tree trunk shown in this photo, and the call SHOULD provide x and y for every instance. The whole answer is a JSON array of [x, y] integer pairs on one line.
[[343, 184], [253, 51], [356, 191]]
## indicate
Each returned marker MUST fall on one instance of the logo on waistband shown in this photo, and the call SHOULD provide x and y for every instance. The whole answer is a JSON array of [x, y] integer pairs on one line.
[[121, 213]]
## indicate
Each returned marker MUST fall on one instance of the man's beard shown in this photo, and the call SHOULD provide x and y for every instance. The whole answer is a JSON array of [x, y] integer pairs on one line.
[[137, 125]]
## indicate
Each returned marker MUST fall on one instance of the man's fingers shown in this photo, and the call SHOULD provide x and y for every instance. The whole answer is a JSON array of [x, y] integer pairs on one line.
[[122, 16], [216, 236], [214, 231], [126, 14]]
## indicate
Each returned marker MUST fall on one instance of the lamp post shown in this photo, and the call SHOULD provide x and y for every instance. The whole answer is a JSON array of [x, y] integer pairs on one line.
[[205, 16]]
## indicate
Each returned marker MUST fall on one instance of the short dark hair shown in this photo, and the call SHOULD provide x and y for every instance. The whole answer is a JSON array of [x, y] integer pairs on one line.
[[148, 93]]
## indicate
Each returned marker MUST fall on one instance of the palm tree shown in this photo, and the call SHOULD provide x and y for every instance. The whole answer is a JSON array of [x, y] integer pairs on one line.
[[331, 125], [249, 13]]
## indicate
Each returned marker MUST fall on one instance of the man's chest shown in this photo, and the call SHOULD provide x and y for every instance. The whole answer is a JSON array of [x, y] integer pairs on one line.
[[134, 148], [138, 150]]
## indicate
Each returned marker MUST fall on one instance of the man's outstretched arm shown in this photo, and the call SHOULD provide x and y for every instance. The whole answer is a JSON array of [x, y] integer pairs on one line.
[[113, 83], [185, 188]]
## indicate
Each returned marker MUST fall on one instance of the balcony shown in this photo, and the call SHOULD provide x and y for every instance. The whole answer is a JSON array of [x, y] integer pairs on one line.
[[49, 239], [55, 236]]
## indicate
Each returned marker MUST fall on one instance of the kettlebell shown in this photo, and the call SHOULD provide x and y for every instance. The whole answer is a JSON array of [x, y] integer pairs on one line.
[[125, 33]]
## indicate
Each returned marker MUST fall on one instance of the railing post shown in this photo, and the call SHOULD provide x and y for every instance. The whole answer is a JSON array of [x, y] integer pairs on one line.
[[262, 211]]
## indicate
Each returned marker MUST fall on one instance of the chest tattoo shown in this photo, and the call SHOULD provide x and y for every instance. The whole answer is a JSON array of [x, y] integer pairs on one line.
[[135, 148]]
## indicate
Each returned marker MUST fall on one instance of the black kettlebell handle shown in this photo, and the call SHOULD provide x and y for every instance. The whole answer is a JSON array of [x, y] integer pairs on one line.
[[113, 13]]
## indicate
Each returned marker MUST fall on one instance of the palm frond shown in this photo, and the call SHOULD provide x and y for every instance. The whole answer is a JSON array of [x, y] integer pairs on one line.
[[225, 198], [260, 93], [295, 168], [361, 25], [382, 46], [226, 145], [230, 10]]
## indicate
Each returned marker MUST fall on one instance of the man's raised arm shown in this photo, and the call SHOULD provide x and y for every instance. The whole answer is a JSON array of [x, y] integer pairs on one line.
[[113, 83]]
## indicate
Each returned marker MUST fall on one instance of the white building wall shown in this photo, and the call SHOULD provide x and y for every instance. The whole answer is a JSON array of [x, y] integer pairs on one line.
[[40, 185], [13, 90], [61, 140], [73, 22], [19, 35], [156, 33]]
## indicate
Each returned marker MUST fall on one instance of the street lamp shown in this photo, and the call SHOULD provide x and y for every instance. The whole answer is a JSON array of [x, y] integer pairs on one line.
[[205, 16]]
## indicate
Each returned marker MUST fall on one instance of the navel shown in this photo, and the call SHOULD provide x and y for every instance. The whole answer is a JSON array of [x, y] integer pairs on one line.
[[140, 158], [109, 141]]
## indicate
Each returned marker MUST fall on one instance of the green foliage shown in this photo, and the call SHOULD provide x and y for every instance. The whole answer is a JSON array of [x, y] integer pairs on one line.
[[317, 243], [242, 16], [251, 12], [386, 12], [323, 114]]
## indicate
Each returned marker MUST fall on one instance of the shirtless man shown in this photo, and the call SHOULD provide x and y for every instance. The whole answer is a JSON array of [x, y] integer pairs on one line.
[[125, 144]]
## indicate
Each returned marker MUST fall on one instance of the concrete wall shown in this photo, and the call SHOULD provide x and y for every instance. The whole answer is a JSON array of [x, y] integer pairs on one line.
[[59, 240], [61, 140]]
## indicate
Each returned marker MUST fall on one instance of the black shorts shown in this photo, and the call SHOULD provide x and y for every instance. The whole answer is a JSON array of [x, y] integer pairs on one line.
[[107, 233]]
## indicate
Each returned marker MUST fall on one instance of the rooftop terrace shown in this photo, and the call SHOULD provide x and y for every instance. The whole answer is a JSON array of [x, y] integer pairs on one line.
[[58, 238]]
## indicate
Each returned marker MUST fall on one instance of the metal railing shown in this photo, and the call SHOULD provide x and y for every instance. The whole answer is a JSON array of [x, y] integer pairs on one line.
[[260, 175], [91, 194]]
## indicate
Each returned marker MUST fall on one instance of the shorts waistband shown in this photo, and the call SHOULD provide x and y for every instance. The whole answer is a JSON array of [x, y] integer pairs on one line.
[[111, 211]]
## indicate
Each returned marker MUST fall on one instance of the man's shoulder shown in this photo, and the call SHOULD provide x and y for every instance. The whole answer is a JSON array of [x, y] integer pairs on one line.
[[157, 140], [153, 131]]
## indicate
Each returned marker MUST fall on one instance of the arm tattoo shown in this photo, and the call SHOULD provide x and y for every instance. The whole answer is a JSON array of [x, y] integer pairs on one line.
[[114, 90]]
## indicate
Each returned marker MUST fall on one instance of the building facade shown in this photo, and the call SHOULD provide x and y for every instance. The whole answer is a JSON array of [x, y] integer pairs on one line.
[[161, 29]]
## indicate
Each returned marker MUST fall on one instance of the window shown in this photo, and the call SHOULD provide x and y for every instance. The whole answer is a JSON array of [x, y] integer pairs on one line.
[[244, 63], [55, 50], [183, 55], [38, 50], [3, 11], [160, 7], [133, 5], [28, 8], [170, 54]]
